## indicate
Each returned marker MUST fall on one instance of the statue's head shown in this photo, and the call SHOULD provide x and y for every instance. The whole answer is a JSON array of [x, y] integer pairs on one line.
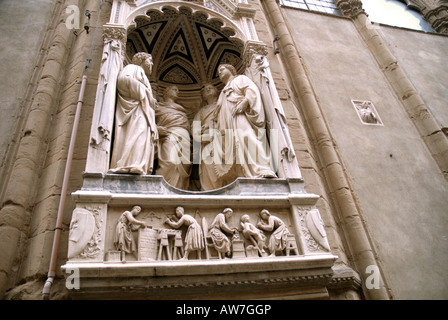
[[144, 60]]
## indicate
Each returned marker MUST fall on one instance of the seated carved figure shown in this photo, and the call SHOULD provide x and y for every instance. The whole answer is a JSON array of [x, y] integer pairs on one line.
[[218, 230], [280, 232]]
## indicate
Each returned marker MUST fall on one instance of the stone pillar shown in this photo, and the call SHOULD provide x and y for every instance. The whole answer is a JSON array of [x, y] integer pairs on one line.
[[257, 68], [21, 187], [104, 110], [338, 183]]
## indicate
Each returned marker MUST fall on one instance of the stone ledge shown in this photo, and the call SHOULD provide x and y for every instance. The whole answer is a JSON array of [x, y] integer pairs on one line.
[[301, 276], [199, 267]]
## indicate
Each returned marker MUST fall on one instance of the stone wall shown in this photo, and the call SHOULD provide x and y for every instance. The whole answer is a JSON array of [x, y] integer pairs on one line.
[[398, 185], [37, 172]]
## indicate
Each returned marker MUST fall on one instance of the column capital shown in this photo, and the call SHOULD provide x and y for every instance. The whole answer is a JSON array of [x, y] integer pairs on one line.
[[349, 8]]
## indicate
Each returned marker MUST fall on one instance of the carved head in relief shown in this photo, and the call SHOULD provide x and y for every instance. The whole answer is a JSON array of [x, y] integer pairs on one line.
[[136, 210], [227, 212], [179, 212]]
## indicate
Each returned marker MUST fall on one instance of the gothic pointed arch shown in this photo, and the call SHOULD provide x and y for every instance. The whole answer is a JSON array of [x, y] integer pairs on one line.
[[187, 41]]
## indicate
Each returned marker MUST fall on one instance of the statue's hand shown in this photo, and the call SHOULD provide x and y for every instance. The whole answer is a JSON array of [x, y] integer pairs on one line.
[[241, 107]]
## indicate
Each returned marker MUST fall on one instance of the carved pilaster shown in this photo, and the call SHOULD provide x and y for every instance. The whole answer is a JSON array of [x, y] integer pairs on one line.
[[349, 8], [102, 121], [251, 49], [115, 33], [258, 69]]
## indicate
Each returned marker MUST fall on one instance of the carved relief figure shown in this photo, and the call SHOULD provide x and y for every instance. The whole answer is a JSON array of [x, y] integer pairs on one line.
[[366, 112], [218, 230], [240, 115], [254, 234], [135, 128], [279, 236], [123, 239], [203, 134], [174, 162], [194, 238]]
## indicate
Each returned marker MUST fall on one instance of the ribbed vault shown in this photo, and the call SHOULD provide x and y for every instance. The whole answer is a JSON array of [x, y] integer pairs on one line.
[[187, 48]]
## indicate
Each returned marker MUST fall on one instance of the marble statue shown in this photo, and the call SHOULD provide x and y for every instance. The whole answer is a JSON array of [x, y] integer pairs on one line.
[[218, 230], [255, 235], [194, 238], [280, 232], [135, 128], [240, 118], [203, 135], [174, 162], [127, 223]]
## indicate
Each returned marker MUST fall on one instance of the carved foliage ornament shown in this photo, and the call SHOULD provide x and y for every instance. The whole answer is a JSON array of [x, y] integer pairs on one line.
[[349, 8]]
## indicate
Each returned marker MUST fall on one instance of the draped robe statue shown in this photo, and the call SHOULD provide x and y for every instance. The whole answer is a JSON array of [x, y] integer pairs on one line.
[[174, 162], [203, 135], [135, 128], [240, 119]]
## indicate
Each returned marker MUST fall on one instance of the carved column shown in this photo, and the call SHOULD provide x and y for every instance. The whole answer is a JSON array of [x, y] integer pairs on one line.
[[103, 116]]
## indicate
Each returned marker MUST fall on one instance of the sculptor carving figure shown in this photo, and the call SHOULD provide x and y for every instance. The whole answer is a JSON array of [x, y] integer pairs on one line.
[[240, 114], [218, 230], [278, 238], [204, 134], [194, 238], [135, 127], [174, 162], [123, 238]]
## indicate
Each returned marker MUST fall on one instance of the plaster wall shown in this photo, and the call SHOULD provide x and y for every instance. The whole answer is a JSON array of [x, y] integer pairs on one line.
[[400, 189], [23, 25], [423, 57]]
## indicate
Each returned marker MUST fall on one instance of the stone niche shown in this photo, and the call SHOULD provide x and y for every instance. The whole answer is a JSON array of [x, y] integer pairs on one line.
[[120, 243]]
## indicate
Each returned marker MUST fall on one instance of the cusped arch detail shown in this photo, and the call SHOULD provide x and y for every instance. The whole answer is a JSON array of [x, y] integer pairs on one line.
[[187, 42], [227, 24]]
